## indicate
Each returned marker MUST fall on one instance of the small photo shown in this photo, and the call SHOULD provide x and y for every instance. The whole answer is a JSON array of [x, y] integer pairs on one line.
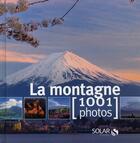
[[59, 107], [130, 107], [10, 108], [34, 108]]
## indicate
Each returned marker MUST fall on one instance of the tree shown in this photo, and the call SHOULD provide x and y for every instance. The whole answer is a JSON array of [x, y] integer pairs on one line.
[[13, 28]]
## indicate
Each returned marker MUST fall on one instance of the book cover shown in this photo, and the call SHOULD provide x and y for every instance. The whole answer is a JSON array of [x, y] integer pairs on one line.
[[69, 71]]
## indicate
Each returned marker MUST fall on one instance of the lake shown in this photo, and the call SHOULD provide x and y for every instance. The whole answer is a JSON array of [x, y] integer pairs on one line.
[[64, 138]]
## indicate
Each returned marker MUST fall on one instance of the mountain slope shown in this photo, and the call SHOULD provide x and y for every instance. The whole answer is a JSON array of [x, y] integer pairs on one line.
[[63, 67]]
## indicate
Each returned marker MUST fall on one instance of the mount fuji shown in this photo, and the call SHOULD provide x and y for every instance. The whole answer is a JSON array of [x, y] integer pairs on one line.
[[64, 69]]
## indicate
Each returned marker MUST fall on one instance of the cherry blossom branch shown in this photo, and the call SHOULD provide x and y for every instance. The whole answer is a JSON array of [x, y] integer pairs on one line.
[[15, 29]]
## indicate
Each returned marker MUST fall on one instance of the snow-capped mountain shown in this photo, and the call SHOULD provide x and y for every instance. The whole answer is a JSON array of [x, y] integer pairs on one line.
[[63, 67]]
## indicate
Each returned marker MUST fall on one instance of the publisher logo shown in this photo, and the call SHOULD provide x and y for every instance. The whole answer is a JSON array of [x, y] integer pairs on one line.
[[105, 131], [114, 132]]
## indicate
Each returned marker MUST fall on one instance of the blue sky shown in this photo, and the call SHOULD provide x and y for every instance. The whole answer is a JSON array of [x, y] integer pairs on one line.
[[104, 32]]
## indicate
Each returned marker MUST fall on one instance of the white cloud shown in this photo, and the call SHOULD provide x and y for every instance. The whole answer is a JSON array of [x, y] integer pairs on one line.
[[10, 103]]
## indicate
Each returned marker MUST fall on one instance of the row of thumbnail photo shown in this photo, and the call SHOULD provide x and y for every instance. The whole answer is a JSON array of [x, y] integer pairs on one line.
[[16, 108], [53, 108]]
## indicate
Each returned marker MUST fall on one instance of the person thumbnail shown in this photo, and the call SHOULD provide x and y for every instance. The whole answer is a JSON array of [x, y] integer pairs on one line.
[[34, 108]]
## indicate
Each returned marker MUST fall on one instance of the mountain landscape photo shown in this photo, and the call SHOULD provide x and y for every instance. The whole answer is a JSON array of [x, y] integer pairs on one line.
[[59, 107], [10, 108], [64, 68], [69, 44], [130, 107]]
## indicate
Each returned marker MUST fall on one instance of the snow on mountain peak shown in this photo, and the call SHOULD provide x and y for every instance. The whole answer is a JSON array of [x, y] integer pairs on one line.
[[60, 68]]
